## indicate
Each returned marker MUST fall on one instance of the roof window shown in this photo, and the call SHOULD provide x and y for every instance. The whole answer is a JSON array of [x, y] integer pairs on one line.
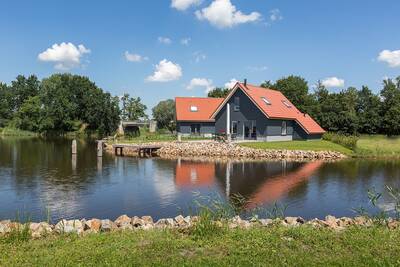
[[287, 104], [265, 100], [193, 108]]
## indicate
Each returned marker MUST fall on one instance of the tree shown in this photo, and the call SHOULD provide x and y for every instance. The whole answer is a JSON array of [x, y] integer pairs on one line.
[[23, 88], [390, 110], [219, 92], [5, 105], [368, 108], [29, 115], [267, 84], [164, 114], [132, 108], [295, 88]]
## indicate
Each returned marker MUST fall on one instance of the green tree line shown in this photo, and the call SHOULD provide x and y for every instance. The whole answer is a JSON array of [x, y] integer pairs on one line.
[[349, 111], [59, 103]]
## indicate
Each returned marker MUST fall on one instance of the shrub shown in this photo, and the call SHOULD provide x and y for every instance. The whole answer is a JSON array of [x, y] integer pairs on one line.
[[349, 141]]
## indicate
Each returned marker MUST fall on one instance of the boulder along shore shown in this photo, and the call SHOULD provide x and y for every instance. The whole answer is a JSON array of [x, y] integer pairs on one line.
[[229, 150], [124, 222]]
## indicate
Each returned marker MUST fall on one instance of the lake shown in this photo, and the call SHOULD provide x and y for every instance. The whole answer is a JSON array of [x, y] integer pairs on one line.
[[40, 177]]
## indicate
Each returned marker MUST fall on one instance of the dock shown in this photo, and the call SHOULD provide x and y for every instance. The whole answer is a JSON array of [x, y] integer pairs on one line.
[[143, 150]]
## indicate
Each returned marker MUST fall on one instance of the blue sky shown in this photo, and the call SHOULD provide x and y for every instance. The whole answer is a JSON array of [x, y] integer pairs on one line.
[[345, 43]]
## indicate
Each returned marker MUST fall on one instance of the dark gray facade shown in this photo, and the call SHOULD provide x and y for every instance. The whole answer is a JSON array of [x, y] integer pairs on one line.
[[247, 115], [201, 128], [248, 122]]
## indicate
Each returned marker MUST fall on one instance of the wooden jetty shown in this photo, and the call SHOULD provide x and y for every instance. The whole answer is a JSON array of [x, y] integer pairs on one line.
[[143, 150]]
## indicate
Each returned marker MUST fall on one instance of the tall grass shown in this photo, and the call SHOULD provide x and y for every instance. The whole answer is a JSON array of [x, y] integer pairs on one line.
[[349, 141]]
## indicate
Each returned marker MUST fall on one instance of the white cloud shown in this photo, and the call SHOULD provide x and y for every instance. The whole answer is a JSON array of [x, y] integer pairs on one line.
[[164, 40], [65, 55], [201, 82], [333, 82], [390, 57], [231, 83], [199, 56], [184, 4], [185, 41], [275, 15], [134, 57], [222, 14], [166, 71]]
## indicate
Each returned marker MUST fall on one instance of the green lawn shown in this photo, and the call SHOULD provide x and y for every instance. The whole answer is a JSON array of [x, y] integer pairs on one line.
[[272, 246], [315, 145], [378, 146]]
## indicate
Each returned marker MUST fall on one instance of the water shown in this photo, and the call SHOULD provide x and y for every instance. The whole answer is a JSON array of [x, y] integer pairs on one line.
[[40, 177]]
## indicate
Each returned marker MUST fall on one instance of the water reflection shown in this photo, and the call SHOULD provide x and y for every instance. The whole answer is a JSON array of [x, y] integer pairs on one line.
[[37, 175]]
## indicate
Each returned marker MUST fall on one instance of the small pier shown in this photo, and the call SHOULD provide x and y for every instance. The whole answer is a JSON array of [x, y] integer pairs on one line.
[[143, 150]]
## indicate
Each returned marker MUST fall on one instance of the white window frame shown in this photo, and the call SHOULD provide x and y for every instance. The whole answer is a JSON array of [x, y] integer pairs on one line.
[[284, 128], [194, 109], [266, 101]]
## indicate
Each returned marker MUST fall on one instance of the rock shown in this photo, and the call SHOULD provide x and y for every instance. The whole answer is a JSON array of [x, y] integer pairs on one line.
[[147, 220], [107, 225], [5, 227], [316, 223], [362, 221], [180, 220], [93, 225], [69, 226], [137, 222], [331, 221], [40, 229], [345, 221], [294, 221], [124, 222], [265, 222], [392, 224], [165, 223]]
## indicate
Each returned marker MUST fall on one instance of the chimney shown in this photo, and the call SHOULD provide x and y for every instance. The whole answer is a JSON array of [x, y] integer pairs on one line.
[[245, 82]]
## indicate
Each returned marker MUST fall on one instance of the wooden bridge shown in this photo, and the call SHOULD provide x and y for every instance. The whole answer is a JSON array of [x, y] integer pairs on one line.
[[143, 150]]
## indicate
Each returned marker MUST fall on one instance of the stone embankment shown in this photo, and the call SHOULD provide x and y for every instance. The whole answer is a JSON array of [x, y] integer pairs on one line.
[[231, 150], [124, 222]]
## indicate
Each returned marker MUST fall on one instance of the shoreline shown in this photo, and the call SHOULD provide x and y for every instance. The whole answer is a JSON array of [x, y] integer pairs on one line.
[[125, 223], [213, 149]]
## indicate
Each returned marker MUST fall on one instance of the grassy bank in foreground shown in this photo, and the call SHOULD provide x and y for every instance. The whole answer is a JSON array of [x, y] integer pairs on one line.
[[272, 246], [315, 145]]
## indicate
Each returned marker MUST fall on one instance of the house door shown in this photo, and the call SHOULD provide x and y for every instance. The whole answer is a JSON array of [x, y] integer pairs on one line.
[[249, 130]]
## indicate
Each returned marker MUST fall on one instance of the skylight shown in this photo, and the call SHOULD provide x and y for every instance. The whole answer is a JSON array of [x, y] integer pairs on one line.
[[193, 108], [286, 103], [266, 101]]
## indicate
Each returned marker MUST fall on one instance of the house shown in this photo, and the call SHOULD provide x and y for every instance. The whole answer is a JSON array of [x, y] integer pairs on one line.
[[248, 113]]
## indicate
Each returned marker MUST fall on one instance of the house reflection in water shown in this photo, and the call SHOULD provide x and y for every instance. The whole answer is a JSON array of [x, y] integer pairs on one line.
[[194, 174], [258, 182]]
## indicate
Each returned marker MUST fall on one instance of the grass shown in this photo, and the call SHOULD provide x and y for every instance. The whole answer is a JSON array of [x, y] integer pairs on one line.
[[378, 146], [315, 145], [16, 132], [271, 246]]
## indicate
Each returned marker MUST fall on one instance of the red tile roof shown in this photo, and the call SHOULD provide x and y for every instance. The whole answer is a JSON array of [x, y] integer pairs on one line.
[[279, 107], [205, 108]]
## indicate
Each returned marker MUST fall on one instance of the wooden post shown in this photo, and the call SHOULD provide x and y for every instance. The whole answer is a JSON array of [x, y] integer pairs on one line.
[[99, 148], [74, 147], [179, 137]]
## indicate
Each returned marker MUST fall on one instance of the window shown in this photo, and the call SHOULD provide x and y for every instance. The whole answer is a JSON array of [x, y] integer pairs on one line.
[[234, 127], [236, 107], [286, 103], [195, 128], [266, 101], [284, 128], [193, 108]]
